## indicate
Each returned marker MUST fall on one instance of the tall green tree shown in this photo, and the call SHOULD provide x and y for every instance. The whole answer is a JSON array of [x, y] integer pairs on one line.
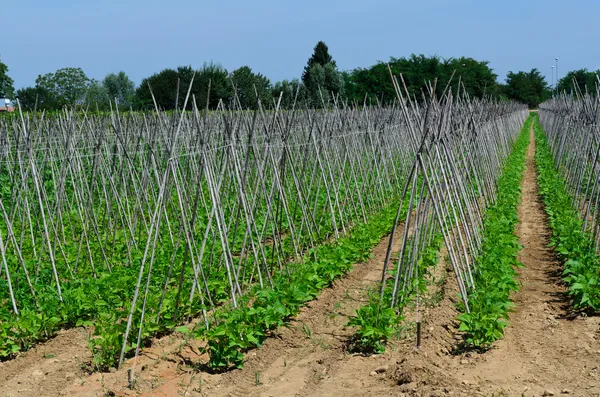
[[167, 83], [324, 83], [163, 86], [374, 84], [371, 84], [120, 87], [96, 96], [580, 80], [7, 89], [216, 77], [32, 98], [321, 77], [248, 84], [114, 87], [530, 88], [68, 86], [476, 77], [293, 93], [320, 56]]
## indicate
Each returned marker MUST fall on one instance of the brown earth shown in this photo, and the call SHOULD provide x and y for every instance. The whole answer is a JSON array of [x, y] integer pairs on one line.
[[547, 349], [164, 369]]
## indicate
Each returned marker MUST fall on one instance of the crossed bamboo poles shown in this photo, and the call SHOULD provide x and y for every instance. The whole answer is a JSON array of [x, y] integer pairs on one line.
[[460, 147], [236, 194], [571, 123]]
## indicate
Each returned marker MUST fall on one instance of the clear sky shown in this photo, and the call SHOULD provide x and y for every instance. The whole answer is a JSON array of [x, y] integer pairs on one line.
[[277, 37]]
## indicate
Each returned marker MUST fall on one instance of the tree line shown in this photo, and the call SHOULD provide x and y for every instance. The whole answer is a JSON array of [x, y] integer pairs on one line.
[[322, 84]]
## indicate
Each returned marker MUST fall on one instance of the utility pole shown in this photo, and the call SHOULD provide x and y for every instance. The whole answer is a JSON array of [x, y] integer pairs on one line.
[[556, 60]]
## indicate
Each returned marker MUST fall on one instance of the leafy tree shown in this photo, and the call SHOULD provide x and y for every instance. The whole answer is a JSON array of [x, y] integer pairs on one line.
[[324, 83], [220, 86], [371, 84], [96, 96], [39, 98], [476, 77], [168, 82], [320, 56], [119, 86], [527, 87], [419, 71], [321, 77], [579, 80], [113, 87], [6, 83], [294, 93], [248, 84], [161, 85], [68, 86], [374, 84]]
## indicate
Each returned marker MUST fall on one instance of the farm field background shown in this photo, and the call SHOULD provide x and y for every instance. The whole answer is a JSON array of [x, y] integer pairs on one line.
[[138, 263], [427, 225]]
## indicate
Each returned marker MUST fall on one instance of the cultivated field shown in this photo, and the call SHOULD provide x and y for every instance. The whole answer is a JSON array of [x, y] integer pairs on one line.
[[441, 247]]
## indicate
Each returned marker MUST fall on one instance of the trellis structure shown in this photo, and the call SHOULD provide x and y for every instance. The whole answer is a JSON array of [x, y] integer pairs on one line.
[[573, 129], [189, 208], [461, 144]]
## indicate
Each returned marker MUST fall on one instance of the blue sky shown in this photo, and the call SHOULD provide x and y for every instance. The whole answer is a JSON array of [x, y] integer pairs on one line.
[[277, 37]]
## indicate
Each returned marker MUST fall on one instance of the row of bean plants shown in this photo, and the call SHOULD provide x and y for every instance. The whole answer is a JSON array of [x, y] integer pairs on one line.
[[459, 171], [573, 238], [134, 224], [497, 263]]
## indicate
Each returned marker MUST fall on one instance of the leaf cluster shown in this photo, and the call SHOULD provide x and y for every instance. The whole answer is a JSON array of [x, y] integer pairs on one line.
[[574, 246], [495, 278]]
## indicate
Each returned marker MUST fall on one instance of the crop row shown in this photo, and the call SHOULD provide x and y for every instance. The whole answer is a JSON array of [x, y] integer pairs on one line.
[[573, 242], [461, 168], [135, 224], [490, 301]]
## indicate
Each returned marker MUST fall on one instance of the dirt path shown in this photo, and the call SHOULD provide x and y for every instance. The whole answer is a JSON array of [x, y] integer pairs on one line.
[[544, 349], [312, 347], [46, 369]]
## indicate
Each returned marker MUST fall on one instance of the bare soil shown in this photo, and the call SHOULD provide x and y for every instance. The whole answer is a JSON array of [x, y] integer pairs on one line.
[[547, 349]]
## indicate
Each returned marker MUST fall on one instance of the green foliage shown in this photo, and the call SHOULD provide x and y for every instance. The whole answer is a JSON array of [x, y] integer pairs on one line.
[[574, 246], [166, 84], [6, 83], [31, 98], [217, 77], [264, 310], [102, 299], [580, 80], [321, 82], [321, 78], [294, 93], [96, 96], [375, 84], [248, 84], [495, 279], [376, 323], [321, 57], [324, 83], [66, 86], [530, 88], [120, 87]]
